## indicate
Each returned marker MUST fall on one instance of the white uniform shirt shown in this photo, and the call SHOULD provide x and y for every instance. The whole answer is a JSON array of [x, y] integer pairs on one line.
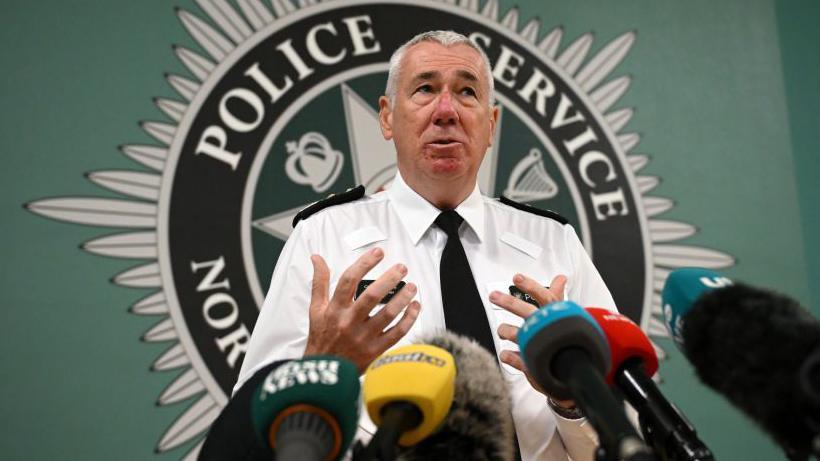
[[500, 241]]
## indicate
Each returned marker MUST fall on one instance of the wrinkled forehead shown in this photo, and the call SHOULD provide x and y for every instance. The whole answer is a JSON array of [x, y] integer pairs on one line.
[[427, 60]]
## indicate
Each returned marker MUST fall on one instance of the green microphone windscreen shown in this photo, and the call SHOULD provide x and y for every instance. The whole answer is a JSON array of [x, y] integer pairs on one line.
[[325, 385]]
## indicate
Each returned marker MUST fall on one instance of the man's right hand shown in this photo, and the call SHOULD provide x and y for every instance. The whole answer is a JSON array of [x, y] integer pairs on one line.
[[343, 327]]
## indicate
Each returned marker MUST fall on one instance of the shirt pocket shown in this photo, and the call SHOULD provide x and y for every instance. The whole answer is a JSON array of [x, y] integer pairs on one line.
[[500, 315], [378, 307]]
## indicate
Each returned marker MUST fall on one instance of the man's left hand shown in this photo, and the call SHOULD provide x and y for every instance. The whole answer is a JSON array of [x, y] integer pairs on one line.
[[523, 309]]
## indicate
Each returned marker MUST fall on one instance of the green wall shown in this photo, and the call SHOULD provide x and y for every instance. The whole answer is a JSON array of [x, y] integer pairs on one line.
[[725, 94], [799, 36]]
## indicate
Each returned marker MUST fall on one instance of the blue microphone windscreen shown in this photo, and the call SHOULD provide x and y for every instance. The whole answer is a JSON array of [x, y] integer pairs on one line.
[[555, 328], [682, 288], [548, 315]]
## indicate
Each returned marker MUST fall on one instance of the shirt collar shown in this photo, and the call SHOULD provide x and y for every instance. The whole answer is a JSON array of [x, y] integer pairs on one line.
[[417, 214]]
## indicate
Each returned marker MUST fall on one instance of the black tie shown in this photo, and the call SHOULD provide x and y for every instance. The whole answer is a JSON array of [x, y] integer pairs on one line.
[[463, 310]]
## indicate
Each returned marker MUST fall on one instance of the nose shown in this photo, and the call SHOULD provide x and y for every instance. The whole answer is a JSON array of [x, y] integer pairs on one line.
[[445, 112]]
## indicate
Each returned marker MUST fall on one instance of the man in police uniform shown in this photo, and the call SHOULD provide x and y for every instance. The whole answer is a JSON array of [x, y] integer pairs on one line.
[[438, 111]]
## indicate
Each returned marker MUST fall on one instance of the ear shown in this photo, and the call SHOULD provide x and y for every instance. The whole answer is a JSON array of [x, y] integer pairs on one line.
[[386, 118], [494, 112]]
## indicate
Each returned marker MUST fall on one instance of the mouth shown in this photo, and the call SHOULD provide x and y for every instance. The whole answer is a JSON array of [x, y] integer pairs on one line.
[[444, 142]]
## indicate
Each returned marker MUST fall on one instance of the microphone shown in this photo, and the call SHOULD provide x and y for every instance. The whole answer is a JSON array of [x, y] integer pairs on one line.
[[308, 409], [682, 288], [757, 348], [566, 353], [232, 435], [810, 384], [633, 362], [407, 392], [479, 424]]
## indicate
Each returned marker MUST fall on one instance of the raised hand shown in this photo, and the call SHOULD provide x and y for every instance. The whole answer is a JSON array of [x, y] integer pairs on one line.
[[343, 327], [523, 309]]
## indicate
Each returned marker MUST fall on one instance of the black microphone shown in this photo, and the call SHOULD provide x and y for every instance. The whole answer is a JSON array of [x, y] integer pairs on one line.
[[810, 386], [633, 362], [757, 348], [566, 353]]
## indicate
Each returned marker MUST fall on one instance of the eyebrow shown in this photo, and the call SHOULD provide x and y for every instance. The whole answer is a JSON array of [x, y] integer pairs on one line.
[[429, 75], [434, 74], [466, 75]]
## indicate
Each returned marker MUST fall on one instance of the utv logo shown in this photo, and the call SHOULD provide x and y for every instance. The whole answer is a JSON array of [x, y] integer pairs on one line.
[[280, 108]]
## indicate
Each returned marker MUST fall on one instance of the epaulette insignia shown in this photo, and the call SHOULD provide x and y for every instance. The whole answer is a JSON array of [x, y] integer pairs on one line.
[[531, 209], [350, 195]]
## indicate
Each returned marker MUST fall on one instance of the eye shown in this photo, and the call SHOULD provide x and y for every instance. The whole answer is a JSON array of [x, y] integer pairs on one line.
[[469, 91], [426, 88]]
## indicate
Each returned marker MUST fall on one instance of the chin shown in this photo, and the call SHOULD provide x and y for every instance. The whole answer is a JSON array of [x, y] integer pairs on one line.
[[448, 168]]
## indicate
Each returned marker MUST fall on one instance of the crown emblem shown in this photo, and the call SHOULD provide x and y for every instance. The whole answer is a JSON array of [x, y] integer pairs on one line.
[[313, 162]]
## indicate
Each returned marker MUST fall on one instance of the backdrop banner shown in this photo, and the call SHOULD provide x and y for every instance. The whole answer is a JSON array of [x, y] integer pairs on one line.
[[659, 129]]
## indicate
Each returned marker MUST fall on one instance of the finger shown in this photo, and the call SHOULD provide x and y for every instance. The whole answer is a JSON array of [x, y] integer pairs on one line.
[[530, 286], [320, 282], [397, 332], [569, 403], [541, 294], [400, 300], [508, 332], [514, 360], [378, 289], [557, 286], [343, 294], [517, 306]]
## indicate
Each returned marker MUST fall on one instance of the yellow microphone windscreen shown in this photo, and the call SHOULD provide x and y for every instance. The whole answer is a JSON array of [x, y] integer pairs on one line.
[[419, 374]]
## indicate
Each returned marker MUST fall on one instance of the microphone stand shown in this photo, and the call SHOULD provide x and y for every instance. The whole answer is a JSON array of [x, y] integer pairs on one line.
[[668, 432], [619, 441], [397, 418]]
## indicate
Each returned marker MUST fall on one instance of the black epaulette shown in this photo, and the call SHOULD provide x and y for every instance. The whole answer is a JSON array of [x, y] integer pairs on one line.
[[531, 209], [350, 195]]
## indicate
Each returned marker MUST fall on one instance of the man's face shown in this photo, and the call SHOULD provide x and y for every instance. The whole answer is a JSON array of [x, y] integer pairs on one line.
[[441, 121]]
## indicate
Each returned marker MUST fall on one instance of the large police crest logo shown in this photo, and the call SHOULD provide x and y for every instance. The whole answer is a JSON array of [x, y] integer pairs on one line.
[[280, 108]]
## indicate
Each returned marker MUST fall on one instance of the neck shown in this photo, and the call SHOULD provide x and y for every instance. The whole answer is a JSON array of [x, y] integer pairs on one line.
[[444, 195]]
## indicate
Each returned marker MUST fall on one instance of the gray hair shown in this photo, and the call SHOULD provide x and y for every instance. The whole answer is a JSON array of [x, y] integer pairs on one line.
[[446, 38]]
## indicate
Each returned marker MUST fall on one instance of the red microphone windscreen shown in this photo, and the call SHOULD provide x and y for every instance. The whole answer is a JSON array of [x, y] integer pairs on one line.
[[626, 341]]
